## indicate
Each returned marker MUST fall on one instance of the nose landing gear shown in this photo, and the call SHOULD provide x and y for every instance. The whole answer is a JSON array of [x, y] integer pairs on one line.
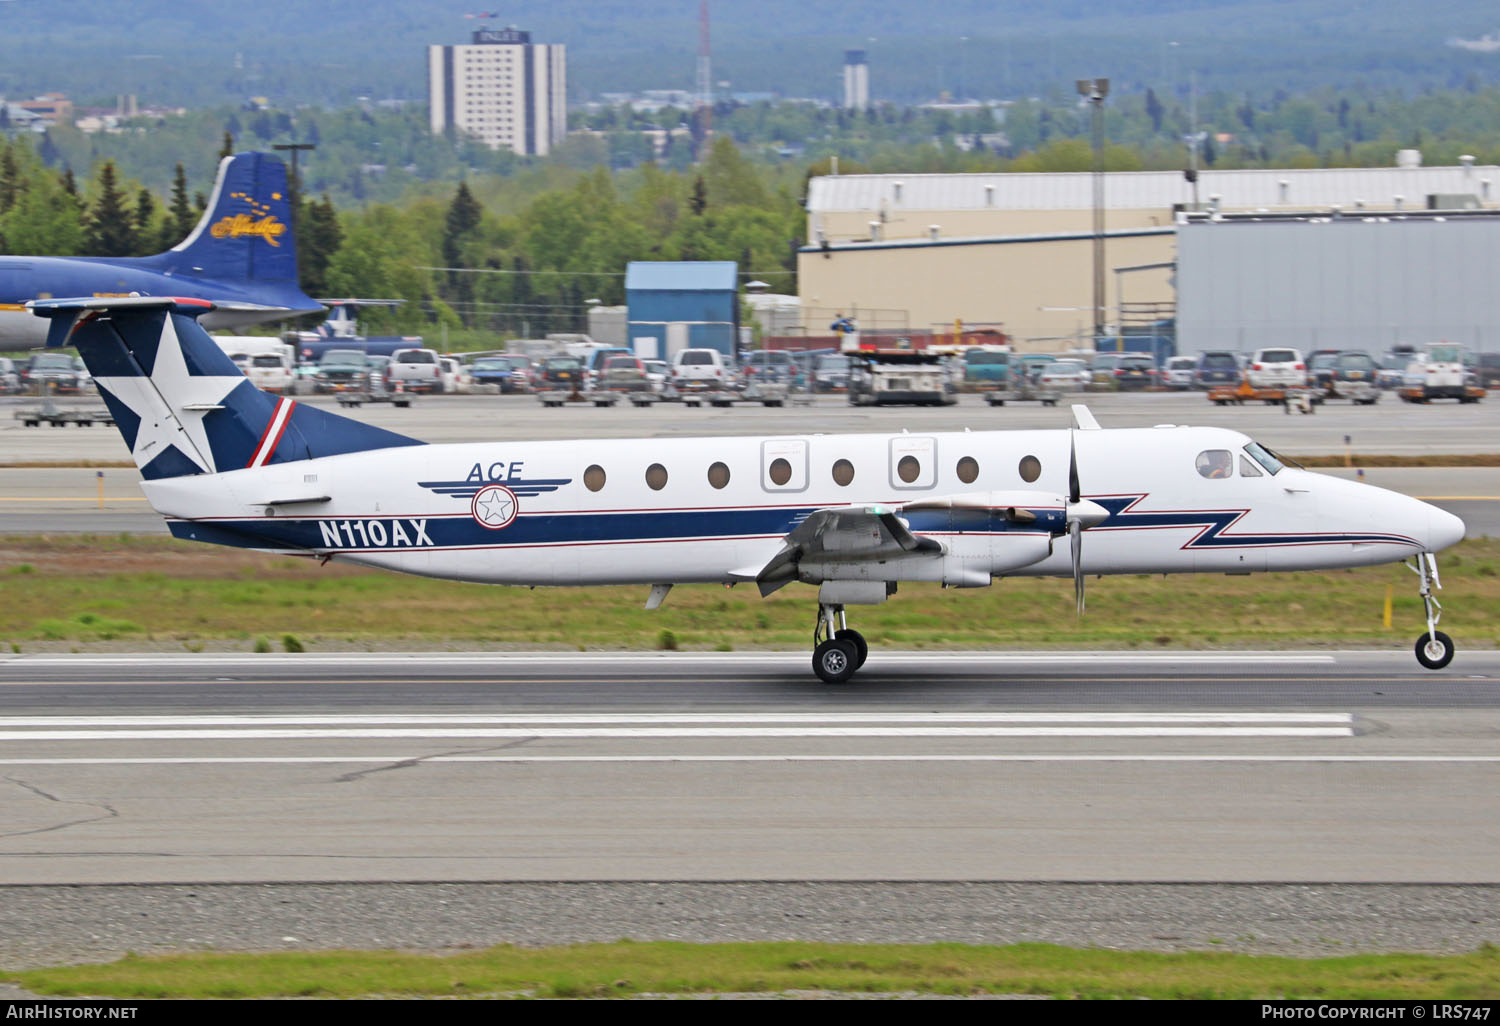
[[1434, 649], [837, 650]]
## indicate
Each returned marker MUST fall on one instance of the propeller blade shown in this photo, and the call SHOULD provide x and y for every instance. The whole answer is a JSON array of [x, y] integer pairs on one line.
[[1075, 536], [1075, 491]]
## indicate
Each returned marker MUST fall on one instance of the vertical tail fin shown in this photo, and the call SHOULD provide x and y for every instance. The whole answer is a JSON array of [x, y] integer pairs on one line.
[[245, 234], [181, 405]]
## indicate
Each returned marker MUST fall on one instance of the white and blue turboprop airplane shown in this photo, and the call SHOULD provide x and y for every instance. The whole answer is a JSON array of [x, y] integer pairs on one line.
[[855, 515]]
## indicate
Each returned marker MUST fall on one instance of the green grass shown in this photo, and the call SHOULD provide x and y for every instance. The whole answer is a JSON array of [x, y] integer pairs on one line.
[[625, 968], [143, 589]]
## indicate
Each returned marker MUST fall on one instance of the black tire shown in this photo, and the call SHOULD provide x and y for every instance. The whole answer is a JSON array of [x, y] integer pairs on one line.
[[861, 647], [1439, 654], [834, 661]]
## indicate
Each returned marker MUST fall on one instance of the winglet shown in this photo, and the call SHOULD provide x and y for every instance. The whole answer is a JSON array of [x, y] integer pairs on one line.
[[1083, 420]]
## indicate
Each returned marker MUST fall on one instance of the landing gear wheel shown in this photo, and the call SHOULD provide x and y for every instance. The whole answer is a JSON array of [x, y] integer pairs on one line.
[[861, 647], [1435, 650], [834, 661]]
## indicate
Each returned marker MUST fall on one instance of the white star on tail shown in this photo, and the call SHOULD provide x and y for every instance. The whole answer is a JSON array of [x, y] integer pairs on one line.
[[171, 404]]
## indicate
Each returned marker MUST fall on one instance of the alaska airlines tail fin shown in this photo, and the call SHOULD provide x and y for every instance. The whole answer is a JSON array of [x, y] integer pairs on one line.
[[182, 406], [250, 204]]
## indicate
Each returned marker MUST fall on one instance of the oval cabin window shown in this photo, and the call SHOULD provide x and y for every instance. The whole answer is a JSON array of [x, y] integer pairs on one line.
[[780, 471], [593, 478], [909, 469], [843, 473], [968, 470], [718, 475], [656, 477], [1031, 468]]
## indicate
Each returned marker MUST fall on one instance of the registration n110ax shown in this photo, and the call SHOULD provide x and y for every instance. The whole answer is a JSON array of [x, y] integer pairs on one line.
[[853, 515]]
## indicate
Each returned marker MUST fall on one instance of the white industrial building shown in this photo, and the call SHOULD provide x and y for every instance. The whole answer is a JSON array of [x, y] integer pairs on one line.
[[917, 252], [1336, 281], [856, 80], [502, 88]]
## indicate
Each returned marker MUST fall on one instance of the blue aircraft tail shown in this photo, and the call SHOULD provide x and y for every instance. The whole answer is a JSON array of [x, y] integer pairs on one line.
[[246, 232], [182, 406]]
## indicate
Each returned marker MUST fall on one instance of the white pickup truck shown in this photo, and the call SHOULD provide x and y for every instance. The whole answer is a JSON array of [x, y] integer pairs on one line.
[[416, 370]]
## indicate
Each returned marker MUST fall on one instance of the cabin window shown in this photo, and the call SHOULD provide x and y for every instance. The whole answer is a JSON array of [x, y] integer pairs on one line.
[[968, 470], [913, 462], [1030, 468], [593, 478], [1248, 467], [1215, 463], [843, 473], [718, 475], [656, 477], [783, 465]]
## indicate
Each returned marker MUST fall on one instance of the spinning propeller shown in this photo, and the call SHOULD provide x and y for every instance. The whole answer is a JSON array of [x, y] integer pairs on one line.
[[1081, 515]]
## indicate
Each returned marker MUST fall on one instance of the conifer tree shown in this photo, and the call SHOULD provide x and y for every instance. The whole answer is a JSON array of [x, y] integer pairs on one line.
[[110, 229], [180, 215]]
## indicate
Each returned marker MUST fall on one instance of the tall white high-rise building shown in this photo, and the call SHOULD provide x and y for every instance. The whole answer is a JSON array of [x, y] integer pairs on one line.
[[503, 88], [856, 80]]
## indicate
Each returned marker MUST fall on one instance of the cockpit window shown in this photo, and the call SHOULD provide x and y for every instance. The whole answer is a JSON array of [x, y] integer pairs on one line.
[[1215, 463], [1264, 457], [1248, 467]]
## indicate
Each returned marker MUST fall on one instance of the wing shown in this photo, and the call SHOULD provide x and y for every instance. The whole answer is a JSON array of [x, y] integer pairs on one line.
[[854, 534]]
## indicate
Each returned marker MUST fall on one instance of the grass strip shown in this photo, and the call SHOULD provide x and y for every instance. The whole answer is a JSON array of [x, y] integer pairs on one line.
[[159, 591], [626, 968]]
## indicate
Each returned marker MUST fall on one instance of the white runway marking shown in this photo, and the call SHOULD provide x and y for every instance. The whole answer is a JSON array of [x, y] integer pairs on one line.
[[633, 726], [389, 759]]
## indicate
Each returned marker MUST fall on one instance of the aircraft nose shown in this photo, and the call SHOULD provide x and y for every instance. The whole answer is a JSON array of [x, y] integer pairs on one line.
[[1443, 529]]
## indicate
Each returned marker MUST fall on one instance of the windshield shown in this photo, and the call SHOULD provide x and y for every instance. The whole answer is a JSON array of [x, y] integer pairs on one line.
[[1264, 457], [695, 358], [979, 357], [484, 365], [343, 357], [1444, 354], [52, 361], [833, 363], [266, 361]]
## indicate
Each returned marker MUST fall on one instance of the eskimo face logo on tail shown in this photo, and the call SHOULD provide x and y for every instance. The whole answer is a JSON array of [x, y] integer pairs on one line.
[[259, 223]]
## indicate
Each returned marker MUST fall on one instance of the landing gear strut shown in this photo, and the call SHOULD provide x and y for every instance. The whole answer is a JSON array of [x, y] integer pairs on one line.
[[837, 650], [1434, 649]]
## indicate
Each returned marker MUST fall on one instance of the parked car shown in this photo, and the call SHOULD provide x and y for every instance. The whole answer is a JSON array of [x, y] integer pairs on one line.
[[455, 376], [417, 370], [700, 370], [624, 374], [1135, 371], [1102, 368], [1276, 367], [593, 364], [1320, 367], [1487, 369], [521, 374], [987, 366], [1178, 373], [271, 372], [1356, 376], [491, 370], [1216, 367], [1394, 363], [1028, 367], [1070, 375], [10, 378], [560, 372], [769, 364], [342, 370], [50, 372], [658, 373], [831, 373]]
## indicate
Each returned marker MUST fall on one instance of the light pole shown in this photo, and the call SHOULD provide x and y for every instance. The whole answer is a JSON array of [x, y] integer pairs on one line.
[[1094, 90], [295, 186]]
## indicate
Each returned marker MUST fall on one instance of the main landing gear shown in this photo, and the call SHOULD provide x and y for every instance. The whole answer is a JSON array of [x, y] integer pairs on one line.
[[837, 650], [1434, 649]]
